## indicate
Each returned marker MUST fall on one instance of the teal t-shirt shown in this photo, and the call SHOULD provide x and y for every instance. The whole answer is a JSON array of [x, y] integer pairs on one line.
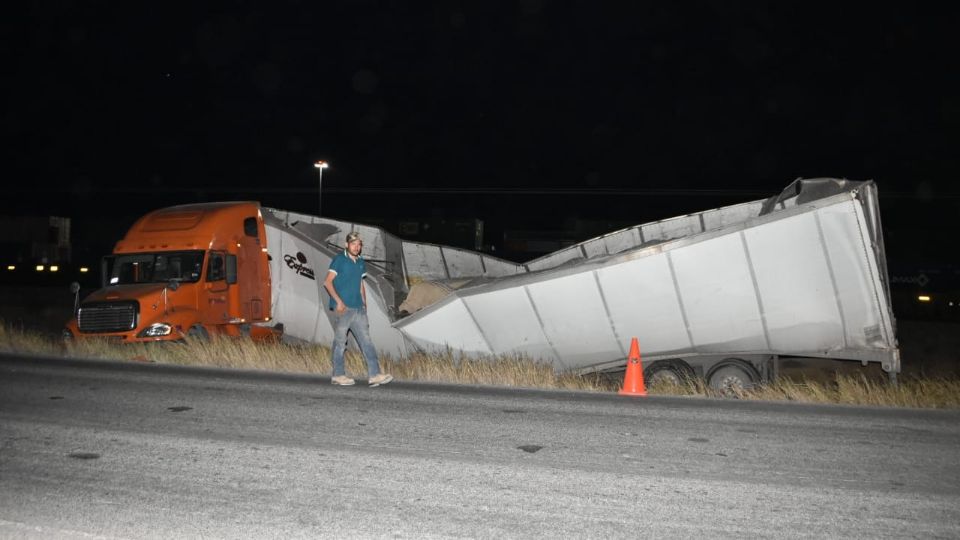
[[347, 281]]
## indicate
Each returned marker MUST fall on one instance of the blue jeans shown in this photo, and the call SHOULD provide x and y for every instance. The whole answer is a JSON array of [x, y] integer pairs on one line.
[[354, 320]]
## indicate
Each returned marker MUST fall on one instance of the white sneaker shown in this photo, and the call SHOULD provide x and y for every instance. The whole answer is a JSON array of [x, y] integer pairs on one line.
[[377, 380], [342, 380]]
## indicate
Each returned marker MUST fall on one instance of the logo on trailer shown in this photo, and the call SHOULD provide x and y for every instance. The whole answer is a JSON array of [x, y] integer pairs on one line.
[[299, 265]]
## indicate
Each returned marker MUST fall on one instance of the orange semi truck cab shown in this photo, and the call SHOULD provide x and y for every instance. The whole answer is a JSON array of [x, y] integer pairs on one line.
[[197, 269]]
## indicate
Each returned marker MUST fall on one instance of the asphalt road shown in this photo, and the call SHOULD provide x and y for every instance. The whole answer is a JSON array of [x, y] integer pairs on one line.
[[109, 450]]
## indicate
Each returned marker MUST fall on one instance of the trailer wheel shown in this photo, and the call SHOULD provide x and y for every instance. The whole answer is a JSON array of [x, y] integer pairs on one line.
[[731, 377], [676, 372]]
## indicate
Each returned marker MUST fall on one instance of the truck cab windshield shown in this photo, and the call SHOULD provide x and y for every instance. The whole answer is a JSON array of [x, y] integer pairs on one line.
[[184, 266]]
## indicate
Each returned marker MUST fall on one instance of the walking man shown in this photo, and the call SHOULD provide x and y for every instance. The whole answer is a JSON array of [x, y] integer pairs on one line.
[[348, 301]]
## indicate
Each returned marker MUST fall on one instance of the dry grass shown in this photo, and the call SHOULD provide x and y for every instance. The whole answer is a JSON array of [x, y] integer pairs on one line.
[[843, 389], [246, 354], [450, 368], [14, 339], [500, 371]]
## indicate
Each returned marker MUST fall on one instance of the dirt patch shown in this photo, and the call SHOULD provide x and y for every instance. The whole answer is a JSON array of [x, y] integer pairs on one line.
[[425, 293]]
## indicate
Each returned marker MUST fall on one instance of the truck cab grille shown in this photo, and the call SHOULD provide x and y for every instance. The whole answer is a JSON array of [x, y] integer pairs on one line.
[[108, 316]]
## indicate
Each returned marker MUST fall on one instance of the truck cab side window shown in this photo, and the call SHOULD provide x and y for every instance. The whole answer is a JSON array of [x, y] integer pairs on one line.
[[250, 227], [215, 269]]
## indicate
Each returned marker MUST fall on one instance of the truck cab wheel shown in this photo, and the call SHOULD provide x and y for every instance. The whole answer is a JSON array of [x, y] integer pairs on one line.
[[198, 332], [676, 372], [732, 378]]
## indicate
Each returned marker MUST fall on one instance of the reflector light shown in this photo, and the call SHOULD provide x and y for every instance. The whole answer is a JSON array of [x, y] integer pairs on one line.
[[923, 298]]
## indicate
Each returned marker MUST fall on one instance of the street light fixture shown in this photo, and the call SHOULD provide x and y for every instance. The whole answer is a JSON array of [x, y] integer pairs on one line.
[[320, 165]]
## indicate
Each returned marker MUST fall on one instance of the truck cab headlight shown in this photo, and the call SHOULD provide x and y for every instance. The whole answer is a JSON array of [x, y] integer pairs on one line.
[[156, 330]]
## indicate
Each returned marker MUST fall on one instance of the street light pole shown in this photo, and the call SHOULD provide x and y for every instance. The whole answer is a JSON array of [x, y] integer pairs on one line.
[[320, 165]]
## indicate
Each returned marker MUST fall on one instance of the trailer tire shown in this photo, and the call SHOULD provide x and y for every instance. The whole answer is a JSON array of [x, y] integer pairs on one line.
[[732, 376], [675, 372]]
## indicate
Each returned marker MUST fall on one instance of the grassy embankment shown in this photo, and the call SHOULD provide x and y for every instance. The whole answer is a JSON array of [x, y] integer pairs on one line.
[[504, 371]]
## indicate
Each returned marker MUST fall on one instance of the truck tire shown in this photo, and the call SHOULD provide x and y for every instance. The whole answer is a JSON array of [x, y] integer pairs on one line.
[[198, 332], [675, 372], [733, 376]]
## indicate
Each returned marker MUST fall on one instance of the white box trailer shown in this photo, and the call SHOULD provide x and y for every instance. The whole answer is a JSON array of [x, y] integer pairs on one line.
[[722, 293]]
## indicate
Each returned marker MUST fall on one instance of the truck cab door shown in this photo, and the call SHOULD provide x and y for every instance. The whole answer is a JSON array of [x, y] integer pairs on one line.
[[217, 272], [216, 307], [254, 276]]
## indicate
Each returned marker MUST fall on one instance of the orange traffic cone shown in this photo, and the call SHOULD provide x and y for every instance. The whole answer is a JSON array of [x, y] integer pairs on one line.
[[633, 379]]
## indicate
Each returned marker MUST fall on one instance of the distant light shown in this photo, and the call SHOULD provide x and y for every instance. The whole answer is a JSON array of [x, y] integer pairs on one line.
[[11, 267], [321, 164], [39, 268], [84, 269], [54, 268], [951, 304], [923, 298]]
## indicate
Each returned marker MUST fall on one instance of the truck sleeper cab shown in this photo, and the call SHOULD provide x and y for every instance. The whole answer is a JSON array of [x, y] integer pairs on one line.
[[197, 269]]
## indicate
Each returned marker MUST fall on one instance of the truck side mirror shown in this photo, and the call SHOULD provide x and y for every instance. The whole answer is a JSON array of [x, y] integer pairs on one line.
[[231, 269], [75, 289], [106, 268]]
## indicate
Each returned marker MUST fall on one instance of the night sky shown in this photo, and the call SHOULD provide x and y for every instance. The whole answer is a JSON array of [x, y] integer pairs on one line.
[[524, 114]]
